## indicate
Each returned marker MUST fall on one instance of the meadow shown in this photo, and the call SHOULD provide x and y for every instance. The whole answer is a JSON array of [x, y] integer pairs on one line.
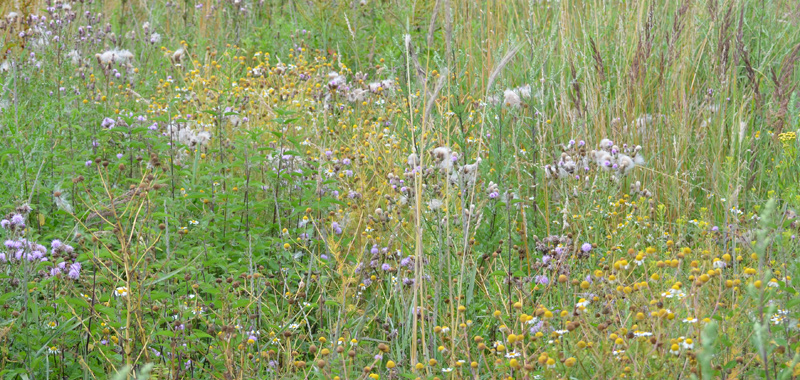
[[388, 189]]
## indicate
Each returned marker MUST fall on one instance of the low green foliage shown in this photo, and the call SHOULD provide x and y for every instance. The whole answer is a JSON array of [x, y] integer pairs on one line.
[[366, 189]]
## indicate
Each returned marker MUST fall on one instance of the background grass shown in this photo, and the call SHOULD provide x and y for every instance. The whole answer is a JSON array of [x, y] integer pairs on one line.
[[300, 240]]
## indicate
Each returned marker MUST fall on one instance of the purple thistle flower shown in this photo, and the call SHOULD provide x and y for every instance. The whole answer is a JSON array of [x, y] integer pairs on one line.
[[542, 280], [537, 327], [18, 220], [108, 123], [586, 247], [386, 267], [336, 228]]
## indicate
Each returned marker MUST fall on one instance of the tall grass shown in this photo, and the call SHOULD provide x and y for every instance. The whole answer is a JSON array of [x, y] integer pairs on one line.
[[438, 188]]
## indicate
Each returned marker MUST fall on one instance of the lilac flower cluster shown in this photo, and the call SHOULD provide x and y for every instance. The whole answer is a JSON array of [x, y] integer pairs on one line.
[[15, 223], [22, 249]]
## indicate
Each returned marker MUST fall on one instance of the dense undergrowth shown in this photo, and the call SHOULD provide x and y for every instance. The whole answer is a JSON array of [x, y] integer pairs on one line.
[[390, 189]]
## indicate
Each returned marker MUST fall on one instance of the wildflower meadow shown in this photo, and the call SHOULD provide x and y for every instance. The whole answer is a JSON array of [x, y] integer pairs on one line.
[[391, 189]]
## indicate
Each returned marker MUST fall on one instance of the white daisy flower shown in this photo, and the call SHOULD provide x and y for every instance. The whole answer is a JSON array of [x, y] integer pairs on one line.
[[121, 291]]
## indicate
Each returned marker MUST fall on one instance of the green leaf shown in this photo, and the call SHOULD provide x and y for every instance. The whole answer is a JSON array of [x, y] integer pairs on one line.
[[5, 297], [122, 374], [173, 273], [166, 333], [201, 334], [156, 295], [58, 332]]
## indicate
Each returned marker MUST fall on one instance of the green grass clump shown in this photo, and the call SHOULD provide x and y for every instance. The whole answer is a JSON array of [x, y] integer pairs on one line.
[[431, 189]]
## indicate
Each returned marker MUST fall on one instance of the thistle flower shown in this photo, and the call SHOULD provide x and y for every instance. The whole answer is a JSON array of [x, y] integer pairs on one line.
[[435, 204], [336, 80], [74, 271], [413, 160], [524, 91], [511, 98], [357, 95], [470, 171], [114, 56], [375, 87], [16, 223], [626, 164], [177, 56], [405, 262], [74, 57], [442, 158], [108, 123]]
